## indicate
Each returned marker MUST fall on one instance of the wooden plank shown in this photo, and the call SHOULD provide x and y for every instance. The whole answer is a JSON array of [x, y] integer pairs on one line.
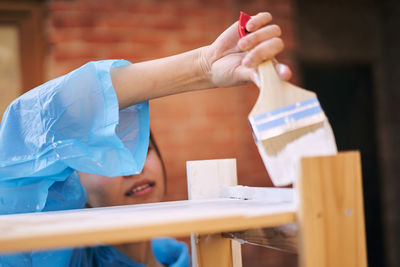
[[268, 194], [205, 180], [331, 216], [114, 225], [281, 237], [236, 253], [212, 250]]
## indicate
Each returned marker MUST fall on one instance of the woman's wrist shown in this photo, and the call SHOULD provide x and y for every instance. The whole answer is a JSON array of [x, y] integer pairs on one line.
[[205, 59]]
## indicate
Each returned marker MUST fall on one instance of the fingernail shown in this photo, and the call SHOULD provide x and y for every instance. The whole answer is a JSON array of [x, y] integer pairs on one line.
[[250, 26], [280, 68]]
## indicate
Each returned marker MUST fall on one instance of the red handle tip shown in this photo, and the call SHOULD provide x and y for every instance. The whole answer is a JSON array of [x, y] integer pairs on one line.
[[243, 19]]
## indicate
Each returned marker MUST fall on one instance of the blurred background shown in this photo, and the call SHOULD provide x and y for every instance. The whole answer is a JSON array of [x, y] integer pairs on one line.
[[346, 51]]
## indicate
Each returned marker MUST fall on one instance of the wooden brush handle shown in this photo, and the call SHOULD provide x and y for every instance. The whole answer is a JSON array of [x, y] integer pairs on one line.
[[274, 93], [268, 75], [270, 82], [271, 87]]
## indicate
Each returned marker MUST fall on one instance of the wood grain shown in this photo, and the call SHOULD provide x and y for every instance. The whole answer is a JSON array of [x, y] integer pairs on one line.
[[115, 225], [331, 215], [206, 178]]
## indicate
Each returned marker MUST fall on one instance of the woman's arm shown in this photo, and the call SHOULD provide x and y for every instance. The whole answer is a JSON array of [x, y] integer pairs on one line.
[[226, 62], [161, 77]]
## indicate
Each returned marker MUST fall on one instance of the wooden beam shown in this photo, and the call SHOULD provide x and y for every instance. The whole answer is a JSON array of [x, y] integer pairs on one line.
[[331, 215], [205, 180], [280, 237], [116, 225]]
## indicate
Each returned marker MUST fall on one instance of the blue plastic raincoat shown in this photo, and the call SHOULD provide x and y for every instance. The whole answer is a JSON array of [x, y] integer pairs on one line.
[[70, 123]]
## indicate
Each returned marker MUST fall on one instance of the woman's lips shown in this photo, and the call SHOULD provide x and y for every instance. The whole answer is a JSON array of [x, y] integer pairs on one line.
[[141, 189]]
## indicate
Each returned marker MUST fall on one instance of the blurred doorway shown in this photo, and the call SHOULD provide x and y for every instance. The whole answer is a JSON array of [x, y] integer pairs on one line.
[[10, 69], [21, 48], [346, 94], [339, 51]]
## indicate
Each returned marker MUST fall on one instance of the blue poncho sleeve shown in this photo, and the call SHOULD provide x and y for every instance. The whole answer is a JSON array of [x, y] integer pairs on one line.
[[67, 124]]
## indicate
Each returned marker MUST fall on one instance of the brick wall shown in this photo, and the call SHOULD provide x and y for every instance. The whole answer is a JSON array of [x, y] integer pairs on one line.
[[201, 125]]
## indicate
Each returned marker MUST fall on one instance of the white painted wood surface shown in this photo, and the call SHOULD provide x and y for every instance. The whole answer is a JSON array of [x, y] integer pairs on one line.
[[114, 225], [267, 194]]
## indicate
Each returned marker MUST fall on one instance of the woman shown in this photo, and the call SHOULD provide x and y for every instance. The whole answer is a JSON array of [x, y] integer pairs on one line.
[[96, 120], [146, 187]]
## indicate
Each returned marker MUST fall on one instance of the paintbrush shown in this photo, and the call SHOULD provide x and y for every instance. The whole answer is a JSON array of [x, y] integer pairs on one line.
[[288, 123]]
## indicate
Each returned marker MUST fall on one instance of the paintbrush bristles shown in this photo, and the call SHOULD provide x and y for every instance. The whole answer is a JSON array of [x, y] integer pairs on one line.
[[288, 123]]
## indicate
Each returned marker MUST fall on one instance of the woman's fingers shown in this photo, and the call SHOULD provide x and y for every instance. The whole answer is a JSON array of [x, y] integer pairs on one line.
[[263, 51], [284, 71], [261, 35], [258, 21], [263, 42]]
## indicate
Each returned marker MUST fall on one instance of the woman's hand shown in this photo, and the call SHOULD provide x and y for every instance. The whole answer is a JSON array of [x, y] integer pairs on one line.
[[231, 61]]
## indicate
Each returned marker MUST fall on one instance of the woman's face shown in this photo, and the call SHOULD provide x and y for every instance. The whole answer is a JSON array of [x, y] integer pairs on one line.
[[146, 187]]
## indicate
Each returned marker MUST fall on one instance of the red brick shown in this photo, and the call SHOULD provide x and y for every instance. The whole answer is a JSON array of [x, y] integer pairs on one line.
[[213, 3], [125, 21], [148, 38], [102, 6], [190, 12], [75, 54], [150, 10], [60, 5], [73, 19], [103, 37], [169, 25], [59, 36]]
